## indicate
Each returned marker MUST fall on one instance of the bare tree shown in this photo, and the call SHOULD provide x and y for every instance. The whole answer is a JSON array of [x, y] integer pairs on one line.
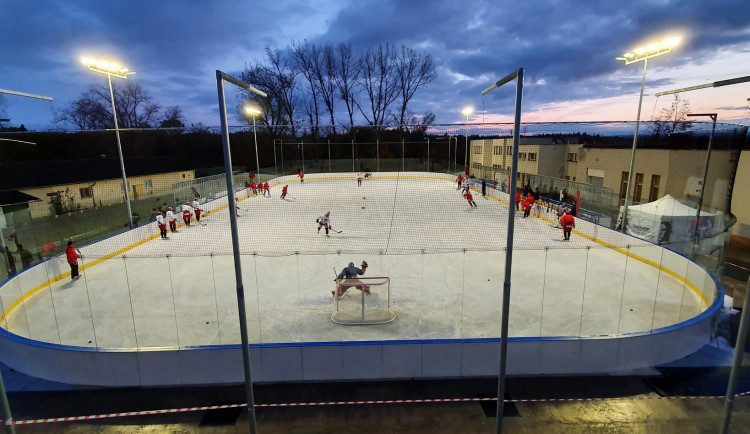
[[346, 73], [413, 71], [172, 118], [379, 82], [278, 80], [88, 112], [307, 57], [325, 76], [673, 119]]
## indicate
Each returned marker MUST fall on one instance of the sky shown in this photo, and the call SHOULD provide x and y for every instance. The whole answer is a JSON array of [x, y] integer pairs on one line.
[[567, 50]]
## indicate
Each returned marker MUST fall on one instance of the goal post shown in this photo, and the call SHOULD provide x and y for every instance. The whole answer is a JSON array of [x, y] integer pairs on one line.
[[362, 301]]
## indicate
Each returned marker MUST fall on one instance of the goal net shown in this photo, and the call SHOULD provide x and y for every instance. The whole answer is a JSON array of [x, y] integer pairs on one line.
[[364, 300]]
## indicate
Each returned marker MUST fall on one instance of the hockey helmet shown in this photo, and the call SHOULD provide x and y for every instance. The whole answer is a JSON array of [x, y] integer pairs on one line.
[[187, 203], [158, 213], [351, 264], [328, 213], [169, 209]]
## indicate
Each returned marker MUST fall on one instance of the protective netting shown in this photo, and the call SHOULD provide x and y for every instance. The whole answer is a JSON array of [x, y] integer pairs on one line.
[[408, 200]]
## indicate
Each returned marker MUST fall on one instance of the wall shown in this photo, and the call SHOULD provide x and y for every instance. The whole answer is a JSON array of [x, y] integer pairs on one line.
[[106, 192]]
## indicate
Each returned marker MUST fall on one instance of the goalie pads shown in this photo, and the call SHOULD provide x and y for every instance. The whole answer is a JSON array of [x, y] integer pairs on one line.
[[364, 264], [316, 221]]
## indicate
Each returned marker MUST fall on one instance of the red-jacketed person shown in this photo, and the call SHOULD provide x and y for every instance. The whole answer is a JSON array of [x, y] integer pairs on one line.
[[518, 200], [470, 199], [459, 180], [72, 256], [284, 191], [568, 222], [529, 205], [253, 187], [187, 213], [162, 225], [266, 189], [359, 181], [301, 176]]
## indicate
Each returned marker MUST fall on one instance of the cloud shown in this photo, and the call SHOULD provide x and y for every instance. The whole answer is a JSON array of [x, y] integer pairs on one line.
[[566, 48]]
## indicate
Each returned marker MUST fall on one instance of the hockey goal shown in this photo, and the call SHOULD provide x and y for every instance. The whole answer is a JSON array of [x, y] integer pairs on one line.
[[364, 300]]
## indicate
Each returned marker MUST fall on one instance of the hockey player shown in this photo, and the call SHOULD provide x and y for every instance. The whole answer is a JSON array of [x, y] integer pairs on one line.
[[172, 220], [301, 177], [187, 213], [72, 256], [247, 187], [162, 225], [459, 180], [568, 222], [253, 187], [470, 199], [368, 175], [560, 213], [266, 189], [518, 200], [359, 181], [198, 210], [350, 273], [324, 221], [284, 191], [236, 207]]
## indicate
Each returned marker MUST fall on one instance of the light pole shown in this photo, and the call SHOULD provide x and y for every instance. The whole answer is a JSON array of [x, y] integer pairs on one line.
[[637, 55], [254, 111], [467, 111], [705, 175], [112, 69]]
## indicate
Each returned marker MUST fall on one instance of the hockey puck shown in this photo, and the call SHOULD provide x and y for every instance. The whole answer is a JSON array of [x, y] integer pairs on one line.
[[363, 207], [363, 197]]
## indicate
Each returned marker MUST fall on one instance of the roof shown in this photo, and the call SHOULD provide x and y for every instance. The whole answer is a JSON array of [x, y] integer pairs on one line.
[[32, 174], [14, 197], [669, 206]]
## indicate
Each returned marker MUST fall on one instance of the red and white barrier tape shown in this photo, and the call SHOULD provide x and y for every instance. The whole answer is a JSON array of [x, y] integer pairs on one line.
[[332, 403]]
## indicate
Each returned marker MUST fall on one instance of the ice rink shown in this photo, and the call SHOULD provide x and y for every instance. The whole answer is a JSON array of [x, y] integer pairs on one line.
[[445, 261]]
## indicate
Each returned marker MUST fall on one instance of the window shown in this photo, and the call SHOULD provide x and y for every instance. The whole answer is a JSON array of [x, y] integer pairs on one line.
[[477, 165], [532, 156], [624, 185], [477, 149], [148, 184], [637, 187], [497, 150], [572, 156], [509, 150], [521, 155], [653, 193], [87, 192]]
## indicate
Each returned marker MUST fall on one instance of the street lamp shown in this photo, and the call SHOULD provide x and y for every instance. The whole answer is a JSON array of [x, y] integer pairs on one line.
[[637, 55], [254, 111], [467, 111], [112, 69]]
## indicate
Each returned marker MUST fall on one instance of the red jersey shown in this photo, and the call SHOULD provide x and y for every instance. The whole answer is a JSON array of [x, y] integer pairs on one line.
[[468, 196], [530, 199], [568, 222], [283, 190], [265, 186], [253, 186], [72, 255], [460, 178], [518, 198], [301, 175]]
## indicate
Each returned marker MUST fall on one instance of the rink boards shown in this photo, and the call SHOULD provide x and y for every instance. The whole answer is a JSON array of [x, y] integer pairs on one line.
[[440, 330]]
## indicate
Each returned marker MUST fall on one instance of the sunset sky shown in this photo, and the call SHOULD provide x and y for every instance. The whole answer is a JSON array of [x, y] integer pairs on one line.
[[567, 49]]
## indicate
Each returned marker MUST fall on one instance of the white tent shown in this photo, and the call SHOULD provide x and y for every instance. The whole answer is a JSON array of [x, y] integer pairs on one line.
[[666, 221]]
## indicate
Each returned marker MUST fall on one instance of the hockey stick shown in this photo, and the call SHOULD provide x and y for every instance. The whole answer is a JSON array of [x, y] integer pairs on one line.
[[334, 230], [289, 195]]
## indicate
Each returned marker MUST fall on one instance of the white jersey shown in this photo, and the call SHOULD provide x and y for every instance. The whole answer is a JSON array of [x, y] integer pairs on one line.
[[187, 210], [196, 206], [159, 219], [324, 220], [170, 216]]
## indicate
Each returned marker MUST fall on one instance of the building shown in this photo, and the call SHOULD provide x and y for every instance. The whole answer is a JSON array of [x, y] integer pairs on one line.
[[678, 172]]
